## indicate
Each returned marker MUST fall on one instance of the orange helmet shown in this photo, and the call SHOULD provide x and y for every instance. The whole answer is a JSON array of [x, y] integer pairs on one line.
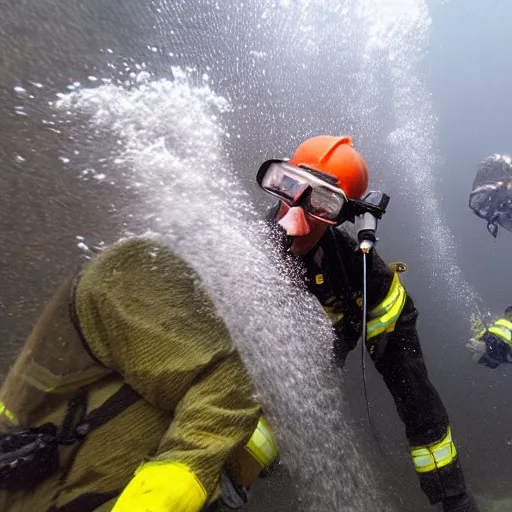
[[335, 156]]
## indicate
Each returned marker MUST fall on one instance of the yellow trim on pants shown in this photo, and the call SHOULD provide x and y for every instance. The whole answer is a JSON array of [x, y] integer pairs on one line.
[[430, 457]]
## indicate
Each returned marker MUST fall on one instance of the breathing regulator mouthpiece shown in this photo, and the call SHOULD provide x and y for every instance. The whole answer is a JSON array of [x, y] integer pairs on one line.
[[366, 223]]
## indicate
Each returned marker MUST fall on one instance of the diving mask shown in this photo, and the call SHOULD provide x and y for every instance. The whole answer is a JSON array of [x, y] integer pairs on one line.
[[313, 190], [493, 202]]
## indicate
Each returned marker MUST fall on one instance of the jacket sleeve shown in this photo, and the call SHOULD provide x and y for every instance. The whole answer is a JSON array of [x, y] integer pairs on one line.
[[386, 296], [144, 314]]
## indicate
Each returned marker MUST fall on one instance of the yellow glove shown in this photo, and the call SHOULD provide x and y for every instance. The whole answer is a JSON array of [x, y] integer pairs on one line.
[[162, 487]]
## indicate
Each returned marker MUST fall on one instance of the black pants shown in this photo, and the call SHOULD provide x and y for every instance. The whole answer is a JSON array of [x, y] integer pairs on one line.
[[399, 360]]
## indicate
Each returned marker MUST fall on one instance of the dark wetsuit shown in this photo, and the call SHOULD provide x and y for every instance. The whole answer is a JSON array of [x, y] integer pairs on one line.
[[334, 275]]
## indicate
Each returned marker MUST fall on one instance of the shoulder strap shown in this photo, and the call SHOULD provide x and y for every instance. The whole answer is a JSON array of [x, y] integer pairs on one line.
[[77, 424], [73, 315], [112, 407], [116, 404]]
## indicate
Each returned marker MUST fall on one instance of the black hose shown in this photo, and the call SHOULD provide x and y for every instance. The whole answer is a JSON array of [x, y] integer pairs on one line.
[[363, 363]]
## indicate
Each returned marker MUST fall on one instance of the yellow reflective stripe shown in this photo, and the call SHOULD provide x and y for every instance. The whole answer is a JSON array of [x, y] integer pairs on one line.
[[505, 323], [387, 312], [503, 329], [434, 456], [389, 299], [9, 414], [262, 445], [335, 318], [502, 333]]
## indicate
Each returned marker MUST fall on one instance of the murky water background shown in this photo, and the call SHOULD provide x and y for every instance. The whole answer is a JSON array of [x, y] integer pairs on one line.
[[287, 70]]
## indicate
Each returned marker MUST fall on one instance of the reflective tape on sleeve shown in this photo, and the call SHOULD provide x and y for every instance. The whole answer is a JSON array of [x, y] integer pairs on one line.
[[385, 315], [8, 414], [262, 445], [503, 329]]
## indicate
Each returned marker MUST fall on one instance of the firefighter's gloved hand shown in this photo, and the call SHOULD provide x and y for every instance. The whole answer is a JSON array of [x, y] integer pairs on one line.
[[462, 503], [162, 487]]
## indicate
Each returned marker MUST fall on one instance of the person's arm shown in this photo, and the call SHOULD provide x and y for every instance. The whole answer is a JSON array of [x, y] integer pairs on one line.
[[214, 417], [497, 351], [144, 315]]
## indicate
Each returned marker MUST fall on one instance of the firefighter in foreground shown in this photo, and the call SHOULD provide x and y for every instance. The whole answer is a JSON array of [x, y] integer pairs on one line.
[[129, 396], [318, 189], [492, 346]]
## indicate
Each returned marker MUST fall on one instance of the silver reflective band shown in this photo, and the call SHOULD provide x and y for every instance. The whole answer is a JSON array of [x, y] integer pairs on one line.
[[434, 456]]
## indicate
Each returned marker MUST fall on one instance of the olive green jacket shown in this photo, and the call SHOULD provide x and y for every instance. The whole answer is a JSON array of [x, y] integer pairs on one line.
[[141, 317]]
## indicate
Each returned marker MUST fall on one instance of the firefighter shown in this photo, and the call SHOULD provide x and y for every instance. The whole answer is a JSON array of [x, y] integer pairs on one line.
[[493, 346], [128, 395], [318, 189]]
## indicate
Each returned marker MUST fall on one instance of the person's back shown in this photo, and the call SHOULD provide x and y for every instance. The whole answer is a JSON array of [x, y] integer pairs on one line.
[[139, 330]]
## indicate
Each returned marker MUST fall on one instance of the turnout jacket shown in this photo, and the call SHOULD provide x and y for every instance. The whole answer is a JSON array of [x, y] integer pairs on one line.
[[334, 274], [138, 315]]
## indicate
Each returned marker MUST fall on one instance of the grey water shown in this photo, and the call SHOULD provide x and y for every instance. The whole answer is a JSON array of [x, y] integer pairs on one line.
[[121, 118]]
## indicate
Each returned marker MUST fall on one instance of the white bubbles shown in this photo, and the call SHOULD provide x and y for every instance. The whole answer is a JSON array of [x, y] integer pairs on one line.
[[20, 90], [83, 247], [142, 77], [394, 35], [20, 111], [168, 144], [73, 86], [87, 251]]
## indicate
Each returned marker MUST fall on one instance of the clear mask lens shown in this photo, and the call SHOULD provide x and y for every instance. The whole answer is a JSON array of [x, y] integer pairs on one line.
[[298, 186], [284, 183], [482, 199], [325, 203]]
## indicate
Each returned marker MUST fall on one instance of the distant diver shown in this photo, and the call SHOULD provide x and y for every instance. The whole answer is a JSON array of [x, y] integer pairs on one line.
[[491, 197], [492, 345]]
